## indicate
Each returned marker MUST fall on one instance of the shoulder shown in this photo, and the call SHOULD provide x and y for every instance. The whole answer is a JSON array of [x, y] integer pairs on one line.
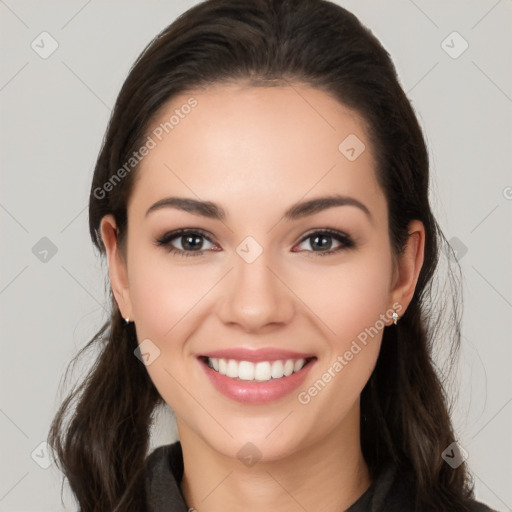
[[163, 473], [394, 491], [476, 506], [157, 460], [158, 454], [169, 457]]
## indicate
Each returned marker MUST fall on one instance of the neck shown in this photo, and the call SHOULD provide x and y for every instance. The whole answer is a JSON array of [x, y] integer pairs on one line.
[[328, 475]]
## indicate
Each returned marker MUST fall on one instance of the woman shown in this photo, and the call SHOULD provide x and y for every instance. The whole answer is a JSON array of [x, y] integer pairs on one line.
[[262, 200]]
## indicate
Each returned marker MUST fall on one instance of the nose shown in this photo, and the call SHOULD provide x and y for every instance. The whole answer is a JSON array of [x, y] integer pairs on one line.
[[255, 296]]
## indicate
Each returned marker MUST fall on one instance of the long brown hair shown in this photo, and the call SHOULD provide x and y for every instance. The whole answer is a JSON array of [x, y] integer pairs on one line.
[[100, 435]]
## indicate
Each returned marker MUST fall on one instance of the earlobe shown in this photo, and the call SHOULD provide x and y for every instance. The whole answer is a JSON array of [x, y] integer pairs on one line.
[[410, 262], [116, 265]]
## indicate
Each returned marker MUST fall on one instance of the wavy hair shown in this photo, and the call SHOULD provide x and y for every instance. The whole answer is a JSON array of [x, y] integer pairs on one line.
[[100, 434]]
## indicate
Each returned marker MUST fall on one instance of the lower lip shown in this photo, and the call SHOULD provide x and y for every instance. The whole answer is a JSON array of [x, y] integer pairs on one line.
[[253, 392]]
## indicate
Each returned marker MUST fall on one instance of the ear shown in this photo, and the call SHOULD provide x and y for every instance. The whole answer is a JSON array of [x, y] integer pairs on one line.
[[408, 267], [116, 266]]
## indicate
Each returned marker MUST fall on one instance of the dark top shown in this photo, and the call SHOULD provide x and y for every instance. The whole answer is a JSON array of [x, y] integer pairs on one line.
[[389, 492]]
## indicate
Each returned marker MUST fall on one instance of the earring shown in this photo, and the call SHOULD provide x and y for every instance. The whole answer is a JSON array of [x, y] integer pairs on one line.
[[395, 317], [127, 320]]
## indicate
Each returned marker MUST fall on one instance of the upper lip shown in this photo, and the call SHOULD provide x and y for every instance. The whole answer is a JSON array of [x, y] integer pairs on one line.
[[256, 355]]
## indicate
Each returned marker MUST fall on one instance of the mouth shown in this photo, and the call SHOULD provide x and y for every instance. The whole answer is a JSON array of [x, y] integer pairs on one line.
[[256, 377], [261, 371]]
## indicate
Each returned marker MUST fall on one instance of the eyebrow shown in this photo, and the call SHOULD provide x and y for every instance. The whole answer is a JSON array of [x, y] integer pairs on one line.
[[296, 211]]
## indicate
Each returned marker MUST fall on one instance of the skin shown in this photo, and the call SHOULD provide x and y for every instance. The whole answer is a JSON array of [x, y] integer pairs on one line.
[[256, 151]]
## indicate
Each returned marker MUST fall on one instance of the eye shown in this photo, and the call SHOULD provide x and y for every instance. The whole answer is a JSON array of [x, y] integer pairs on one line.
[[321, 242], [190, 242]]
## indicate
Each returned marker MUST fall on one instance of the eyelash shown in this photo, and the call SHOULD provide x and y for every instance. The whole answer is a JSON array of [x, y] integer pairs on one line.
[[165, 241]]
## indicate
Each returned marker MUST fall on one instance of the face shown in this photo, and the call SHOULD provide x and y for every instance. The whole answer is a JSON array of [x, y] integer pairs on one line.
[[267, 278]]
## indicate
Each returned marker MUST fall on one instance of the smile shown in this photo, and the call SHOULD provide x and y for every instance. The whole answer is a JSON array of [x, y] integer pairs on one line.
[[256, 377], [261, 371]]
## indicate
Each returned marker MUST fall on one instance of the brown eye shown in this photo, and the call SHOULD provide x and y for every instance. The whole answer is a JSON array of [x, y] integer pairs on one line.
[[184, 242]]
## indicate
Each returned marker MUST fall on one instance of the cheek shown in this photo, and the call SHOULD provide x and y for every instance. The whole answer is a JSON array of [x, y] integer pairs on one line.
[[162, 293], [163, 298], [366, 298], [349, 299], [355, 307]]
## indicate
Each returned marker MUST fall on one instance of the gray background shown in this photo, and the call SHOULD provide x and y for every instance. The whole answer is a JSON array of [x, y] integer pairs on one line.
[[54, 112]]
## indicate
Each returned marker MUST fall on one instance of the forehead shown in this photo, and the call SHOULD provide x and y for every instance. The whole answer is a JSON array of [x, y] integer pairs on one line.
[[260, 144]]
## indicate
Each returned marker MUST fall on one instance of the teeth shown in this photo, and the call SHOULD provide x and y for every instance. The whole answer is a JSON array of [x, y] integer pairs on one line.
[[277, 369], [288, 367], [244, 370], [261, 371], [232, 370]]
